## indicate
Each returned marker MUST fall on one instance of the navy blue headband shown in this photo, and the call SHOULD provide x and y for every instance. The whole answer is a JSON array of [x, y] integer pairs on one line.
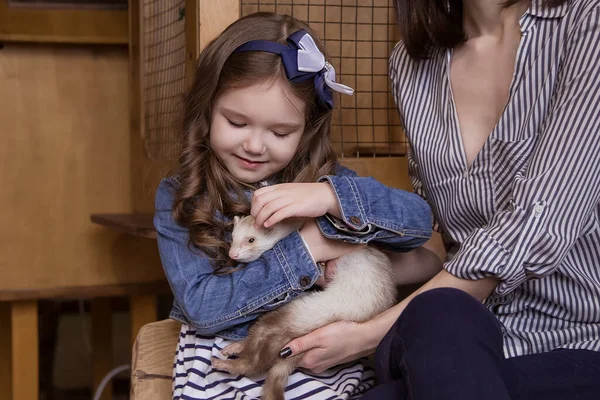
[[303, 60]]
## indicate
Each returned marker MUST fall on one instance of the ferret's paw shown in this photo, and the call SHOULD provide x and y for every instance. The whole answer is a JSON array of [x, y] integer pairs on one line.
[[233, 349], [221, 365]]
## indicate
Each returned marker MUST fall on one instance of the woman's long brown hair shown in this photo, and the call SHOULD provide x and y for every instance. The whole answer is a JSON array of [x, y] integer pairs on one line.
[[429, 24], [208, 192]]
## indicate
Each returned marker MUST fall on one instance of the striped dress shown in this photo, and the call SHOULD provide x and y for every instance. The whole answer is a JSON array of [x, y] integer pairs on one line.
[[194, 377], [528, 209]]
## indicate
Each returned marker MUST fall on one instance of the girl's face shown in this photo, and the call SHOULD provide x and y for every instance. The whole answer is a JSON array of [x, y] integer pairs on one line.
[[256, 130]]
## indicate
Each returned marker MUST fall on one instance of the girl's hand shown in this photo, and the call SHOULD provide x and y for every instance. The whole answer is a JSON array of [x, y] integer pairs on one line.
[[332, 345], [272, 204]]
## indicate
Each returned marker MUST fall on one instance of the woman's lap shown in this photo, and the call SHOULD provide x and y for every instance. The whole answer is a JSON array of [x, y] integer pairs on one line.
[[447, 345]]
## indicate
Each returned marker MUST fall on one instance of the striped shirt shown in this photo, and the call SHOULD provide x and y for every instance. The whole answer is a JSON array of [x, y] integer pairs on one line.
[[527, 211], [195, 378]]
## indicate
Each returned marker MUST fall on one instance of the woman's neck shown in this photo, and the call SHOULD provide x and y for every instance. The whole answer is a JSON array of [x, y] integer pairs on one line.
[[490, 18]]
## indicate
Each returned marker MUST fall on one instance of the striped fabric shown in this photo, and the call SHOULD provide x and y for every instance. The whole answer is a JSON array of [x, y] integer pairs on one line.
[[194, 377], [527, 210]]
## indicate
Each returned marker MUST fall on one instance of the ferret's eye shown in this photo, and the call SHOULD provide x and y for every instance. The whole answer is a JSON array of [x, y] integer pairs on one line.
[[251, 240]]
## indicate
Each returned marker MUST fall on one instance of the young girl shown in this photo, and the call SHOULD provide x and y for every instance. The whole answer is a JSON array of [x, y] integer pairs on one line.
[[258, 117]]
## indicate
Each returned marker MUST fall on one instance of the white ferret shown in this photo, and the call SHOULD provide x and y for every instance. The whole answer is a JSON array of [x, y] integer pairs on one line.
[[361, 288]]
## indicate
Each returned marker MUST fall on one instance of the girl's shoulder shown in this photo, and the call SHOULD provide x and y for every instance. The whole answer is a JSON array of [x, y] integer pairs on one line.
[[340, 170], [165, 193]]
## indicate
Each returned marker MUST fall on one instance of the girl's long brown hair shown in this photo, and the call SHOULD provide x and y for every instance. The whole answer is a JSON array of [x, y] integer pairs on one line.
[[208, 192], [429, 24]]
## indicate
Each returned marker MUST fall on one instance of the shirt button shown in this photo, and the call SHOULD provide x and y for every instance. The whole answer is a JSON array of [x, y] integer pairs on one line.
[[355, 220], [304, 281]]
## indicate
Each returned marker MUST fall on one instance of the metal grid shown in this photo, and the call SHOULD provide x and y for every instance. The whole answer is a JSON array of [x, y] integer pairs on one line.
[[163, 76], [359, 36]]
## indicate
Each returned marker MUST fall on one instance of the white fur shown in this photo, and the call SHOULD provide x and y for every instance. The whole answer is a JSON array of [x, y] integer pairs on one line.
[[361, 288], [362, 285]]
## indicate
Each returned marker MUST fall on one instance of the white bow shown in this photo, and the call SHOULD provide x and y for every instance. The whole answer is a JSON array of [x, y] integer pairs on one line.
[[310, 59]]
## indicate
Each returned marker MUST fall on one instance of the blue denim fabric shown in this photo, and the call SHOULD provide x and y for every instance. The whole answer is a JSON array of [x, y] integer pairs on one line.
[[227, 304]]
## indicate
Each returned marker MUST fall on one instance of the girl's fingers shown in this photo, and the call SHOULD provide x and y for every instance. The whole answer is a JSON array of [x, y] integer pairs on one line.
[[269, 209], [279, 215]]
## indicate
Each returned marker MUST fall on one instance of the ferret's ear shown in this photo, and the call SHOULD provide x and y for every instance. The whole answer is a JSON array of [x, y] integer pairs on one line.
[[236, 219]]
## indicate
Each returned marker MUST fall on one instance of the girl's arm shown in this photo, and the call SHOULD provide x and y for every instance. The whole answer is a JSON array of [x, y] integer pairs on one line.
[[351, 209], [368, 211], [213, 303]]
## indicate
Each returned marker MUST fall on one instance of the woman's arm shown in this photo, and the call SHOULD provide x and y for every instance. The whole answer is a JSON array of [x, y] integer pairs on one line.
[[420, 264], [342, 342]]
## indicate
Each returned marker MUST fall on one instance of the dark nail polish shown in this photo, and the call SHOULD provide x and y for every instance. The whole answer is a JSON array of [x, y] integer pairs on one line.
[[285, 353]]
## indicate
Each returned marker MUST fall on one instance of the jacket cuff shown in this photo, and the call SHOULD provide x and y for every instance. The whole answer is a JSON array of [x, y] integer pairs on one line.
[[301, 271], [351, 208], [483, 253]]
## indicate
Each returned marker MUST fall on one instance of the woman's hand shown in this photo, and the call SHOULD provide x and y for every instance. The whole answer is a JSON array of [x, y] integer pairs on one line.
[[343, 341], [321, 248], [331, 345], [272, 204]]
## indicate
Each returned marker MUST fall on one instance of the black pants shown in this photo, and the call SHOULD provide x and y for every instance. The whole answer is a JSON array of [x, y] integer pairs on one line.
[[447, 345]]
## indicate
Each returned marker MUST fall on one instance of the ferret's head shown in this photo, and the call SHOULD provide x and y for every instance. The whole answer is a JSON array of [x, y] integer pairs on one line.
[[248, 243]]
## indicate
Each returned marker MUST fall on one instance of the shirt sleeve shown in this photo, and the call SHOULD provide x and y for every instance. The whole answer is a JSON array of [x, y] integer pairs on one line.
[[213, 303], [555, 201], [373, 212], [415, 180]]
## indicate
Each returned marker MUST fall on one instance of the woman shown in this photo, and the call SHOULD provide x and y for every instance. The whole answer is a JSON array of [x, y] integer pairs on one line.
[[501, 106]]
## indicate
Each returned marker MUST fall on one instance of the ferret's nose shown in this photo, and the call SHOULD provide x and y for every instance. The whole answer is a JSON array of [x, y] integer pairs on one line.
[[233, 254]]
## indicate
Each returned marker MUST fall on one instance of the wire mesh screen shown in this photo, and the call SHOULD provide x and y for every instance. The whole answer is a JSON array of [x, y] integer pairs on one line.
[[359, 36], [163, 75]]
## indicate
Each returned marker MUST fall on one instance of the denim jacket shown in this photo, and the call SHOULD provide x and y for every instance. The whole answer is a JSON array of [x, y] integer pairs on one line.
[[227, 304]]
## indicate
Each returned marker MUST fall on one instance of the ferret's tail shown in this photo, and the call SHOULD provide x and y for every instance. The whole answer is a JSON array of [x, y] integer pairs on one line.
[[277, 378]]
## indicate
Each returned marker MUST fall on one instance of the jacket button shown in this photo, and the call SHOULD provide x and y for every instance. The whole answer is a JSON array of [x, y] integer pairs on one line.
[[355, 220], [304, 281]]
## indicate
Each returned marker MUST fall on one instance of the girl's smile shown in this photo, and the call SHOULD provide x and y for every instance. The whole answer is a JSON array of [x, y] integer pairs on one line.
[[245, 163]]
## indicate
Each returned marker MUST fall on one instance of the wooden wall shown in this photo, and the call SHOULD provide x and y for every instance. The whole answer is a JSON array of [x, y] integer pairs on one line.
[[71, 147], [65, 154]]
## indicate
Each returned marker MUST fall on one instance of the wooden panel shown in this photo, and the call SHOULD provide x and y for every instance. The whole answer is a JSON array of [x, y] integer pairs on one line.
[[25, 350], [5, 352], [145, 173], [201, 28], [192, 40], [62, 25], [391, 171], [214, 17], [65, 155]]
